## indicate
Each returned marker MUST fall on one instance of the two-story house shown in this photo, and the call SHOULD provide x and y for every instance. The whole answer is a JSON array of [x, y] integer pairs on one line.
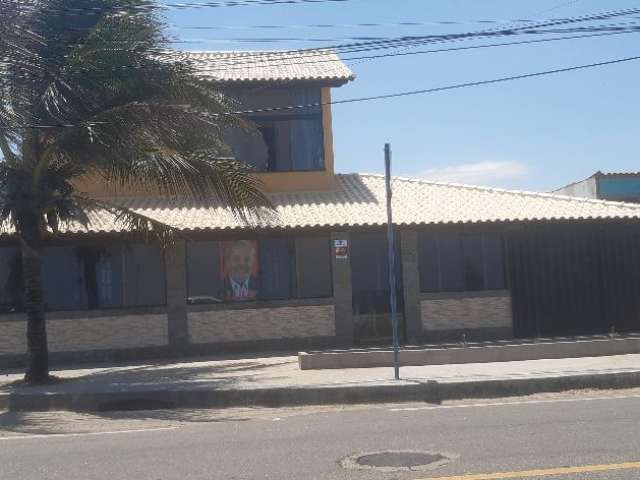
[[483, 262]]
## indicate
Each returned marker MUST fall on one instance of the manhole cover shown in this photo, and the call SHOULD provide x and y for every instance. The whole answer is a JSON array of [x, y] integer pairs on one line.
[[390, 461]]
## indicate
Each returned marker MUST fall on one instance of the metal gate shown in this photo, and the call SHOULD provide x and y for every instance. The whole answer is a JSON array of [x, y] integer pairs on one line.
[[574, 279], [370, 287]]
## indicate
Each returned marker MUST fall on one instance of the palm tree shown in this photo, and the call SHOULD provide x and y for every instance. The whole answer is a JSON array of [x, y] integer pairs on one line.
[[88, 88]]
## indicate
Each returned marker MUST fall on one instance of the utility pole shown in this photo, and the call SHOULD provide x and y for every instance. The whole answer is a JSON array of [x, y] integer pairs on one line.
[[392, 262]]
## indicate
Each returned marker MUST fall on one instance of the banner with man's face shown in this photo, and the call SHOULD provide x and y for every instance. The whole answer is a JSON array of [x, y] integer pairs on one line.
[[239, 269]]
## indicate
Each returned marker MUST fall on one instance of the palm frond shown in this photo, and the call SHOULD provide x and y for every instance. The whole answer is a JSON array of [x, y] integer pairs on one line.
[[130, 219], [119, 105]]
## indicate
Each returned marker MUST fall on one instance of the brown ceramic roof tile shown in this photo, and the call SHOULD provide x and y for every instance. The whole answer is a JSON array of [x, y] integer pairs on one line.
[[359, 200], [243, 67]]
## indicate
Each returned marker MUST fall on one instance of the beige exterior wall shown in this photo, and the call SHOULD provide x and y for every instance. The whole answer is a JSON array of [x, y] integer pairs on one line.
[[237, 325], [466, 310], [86, 334]]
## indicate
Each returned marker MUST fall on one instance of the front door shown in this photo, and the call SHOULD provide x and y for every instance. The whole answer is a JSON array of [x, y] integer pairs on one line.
[[370, 286]]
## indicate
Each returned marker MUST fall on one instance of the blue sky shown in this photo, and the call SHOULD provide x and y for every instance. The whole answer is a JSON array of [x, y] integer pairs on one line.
[[534, 134]]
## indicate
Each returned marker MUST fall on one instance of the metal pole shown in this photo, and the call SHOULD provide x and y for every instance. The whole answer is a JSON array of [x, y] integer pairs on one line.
[[392, 262]]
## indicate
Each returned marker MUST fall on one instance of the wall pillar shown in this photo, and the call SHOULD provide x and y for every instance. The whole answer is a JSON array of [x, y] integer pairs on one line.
[[176, 280], [411, 284], [342, 292]]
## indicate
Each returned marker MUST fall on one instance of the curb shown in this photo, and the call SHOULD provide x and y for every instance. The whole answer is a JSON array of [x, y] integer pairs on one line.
[[428, 391]]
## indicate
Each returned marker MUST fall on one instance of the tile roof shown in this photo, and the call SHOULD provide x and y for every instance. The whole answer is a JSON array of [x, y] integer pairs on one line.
[[242, 67], [359, 200]]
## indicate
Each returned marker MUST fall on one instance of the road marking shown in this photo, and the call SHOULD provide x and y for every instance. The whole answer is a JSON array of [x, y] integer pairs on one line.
[[85, 434], [543, 472], [500, 404]]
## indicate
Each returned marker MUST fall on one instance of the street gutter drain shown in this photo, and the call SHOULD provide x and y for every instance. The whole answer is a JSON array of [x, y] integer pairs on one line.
[[398, 460]]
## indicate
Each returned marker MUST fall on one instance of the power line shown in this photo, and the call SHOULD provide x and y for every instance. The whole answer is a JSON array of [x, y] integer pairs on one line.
[[402, 41], [384, 96], [537, 13], [238, 3], [358, 25], [507, 31], [410, 53], [151, 6], [433, 90], [320, 59], [475, 47], [268, 40], [237, 60], [240, 66]]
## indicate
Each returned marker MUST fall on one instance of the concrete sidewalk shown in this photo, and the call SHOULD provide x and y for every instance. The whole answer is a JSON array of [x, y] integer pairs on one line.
[[278, 381]]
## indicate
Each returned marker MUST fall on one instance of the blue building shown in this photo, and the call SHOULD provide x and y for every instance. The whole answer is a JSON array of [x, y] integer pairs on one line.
[[622, 187]]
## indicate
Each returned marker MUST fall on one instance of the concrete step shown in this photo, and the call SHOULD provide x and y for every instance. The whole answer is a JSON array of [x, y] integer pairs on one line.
[[472, 353]]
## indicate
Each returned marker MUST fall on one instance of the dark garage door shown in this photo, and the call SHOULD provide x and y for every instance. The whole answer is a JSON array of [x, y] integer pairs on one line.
[[573, 279]]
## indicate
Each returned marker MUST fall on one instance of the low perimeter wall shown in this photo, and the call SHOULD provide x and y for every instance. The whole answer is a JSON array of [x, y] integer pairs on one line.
[[481, 315], [267, 323], [471, 354], [88, 331], [146, 333]]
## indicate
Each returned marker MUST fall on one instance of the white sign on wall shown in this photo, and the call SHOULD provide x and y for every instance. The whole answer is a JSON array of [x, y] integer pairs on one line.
[[341, 249]]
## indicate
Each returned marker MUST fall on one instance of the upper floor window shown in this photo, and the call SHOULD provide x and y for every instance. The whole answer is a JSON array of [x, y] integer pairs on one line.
[[284, 140], [460, 262]]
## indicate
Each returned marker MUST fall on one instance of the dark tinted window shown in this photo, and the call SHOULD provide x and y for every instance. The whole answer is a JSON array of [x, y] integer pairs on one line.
[[10, 280], [473, 262], [429, 264], [144, 275], [277, 268], [369, 262], [313, 264], [91, 277], [494, 274], [283, 140], [203, 272], [63, 279], [370, 273], [451, 263], [455, 262]]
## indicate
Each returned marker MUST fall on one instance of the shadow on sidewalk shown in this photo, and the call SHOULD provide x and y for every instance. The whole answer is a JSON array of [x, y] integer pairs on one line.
[[66, 422], [217, 375]]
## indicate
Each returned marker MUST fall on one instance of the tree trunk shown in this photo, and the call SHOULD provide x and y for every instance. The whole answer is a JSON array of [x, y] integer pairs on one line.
[[38, 355], [29, 221]]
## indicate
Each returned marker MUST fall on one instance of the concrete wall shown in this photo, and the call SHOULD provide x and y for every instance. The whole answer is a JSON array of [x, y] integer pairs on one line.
[[586, 188], [267, 323], [484, 314], [13, 337], [85, 331]]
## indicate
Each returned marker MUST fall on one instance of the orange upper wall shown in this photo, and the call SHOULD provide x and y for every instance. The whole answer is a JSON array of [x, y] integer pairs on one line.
[[272, 181]]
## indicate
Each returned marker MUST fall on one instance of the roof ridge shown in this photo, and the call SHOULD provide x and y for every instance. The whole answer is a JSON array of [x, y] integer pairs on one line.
[[613, 174], [526, 193]]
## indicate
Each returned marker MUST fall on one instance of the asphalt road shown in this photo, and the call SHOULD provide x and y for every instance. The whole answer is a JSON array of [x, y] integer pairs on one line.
[[557, 438]]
